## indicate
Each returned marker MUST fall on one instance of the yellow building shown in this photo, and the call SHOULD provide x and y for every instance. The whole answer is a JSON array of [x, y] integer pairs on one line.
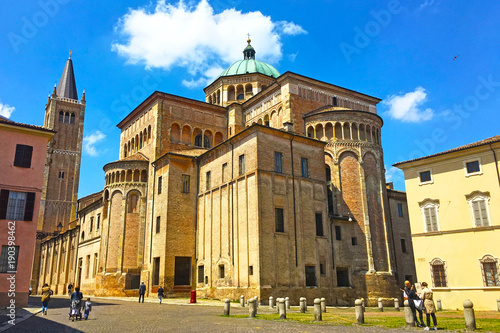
[[455, 222]]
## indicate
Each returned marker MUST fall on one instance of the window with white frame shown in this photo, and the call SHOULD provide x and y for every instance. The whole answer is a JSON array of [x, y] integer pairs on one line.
[[479, 205], [438, 273], [472, 167], [489, 270], [425, 177], [430, 216]]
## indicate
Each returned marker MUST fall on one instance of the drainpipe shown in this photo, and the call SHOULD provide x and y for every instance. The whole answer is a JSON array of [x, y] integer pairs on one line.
[[294, 209], [496, 163]]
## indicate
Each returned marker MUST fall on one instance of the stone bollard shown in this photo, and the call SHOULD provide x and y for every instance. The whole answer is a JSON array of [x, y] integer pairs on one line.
[[363, 303], [410, 321], [498, 304], [318, 315], [470, 319], [396, 304], [256, 301], [242, 301], [303, 305], [271, 302], [360, 315], [227, 307], [439, 307], [380, 305], [287, 303], [323, 305], [282, 308], [252, 307]]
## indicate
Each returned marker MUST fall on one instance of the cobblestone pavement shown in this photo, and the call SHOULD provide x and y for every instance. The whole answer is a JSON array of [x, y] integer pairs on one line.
[[116, 315]]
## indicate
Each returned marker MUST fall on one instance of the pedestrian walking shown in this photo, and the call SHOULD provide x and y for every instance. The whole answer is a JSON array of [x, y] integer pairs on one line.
[[160, 293], [142, 291], [87, 307], [46, 293], [76, 304], [412, 296], [70, 289], [29, 291], [429, 307]]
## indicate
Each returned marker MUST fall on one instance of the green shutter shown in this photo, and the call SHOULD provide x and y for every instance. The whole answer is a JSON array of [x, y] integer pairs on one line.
[[30, 205]]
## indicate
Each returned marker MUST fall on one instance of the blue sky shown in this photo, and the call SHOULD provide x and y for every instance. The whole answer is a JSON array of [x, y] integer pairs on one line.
[[404, 52]]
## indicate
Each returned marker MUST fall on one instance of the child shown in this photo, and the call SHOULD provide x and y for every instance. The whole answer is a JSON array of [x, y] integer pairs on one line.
[[88, 307]]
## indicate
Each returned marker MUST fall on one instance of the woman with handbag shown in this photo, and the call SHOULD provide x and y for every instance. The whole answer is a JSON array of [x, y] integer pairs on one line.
[[411, 296], [430, 309]]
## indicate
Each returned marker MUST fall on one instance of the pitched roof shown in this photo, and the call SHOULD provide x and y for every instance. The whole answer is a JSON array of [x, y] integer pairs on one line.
[[67, 85], [487, 141], [135, 157], [7, 121]]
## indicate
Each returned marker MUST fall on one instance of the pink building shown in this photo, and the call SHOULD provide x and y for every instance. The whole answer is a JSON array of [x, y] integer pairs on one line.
[[23, 151]]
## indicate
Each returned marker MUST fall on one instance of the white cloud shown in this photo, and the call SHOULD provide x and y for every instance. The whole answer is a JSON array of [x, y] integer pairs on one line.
[[90, 141], [407, 107], [393, 174], [292, 56], [197, 39], [6, 110]]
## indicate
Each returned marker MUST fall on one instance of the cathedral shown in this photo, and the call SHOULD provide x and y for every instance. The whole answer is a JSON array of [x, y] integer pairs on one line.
[[272, 186]]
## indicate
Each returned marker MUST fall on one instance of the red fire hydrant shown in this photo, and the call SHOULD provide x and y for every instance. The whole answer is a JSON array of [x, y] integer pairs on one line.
[[193, 296]]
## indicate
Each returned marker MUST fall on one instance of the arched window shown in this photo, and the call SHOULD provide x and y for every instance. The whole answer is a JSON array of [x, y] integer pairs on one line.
[[231, 93], [132, 203], [72, 119], [83, 235], [240, 93], [61, 116], [206, 141], [489, 268], [66, 118], [149, 132]]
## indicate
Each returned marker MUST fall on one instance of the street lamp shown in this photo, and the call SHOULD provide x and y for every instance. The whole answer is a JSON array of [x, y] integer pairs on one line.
[[59, 227]]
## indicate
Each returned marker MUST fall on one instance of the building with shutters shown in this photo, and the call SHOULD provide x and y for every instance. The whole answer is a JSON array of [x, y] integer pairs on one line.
[[455, 223], [22, 165]]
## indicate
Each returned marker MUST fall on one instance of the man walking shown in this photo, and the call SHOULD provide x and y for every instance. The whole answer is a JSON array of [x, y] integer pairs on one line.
[[160, 293], [142, 291]]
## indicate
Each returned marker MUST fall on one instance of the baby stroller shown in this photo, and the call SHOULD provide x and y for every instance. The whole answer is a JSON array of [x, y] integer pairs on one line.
[[76, 309]]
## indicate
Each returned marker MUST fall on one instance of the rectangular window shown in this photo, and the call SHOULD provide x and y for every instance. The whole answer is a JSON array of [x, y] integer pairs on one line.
[[403, 245], [224, 170], [280, 220], [242, 165], [278, 162], [16, 205], [311, 276], [185, 183], [8, 258], [91, 223], [322, 269], [156, 271], [221, 272], [158, 220], [425, 176], [319, 224], [22, 158], [354, 241], [61, 174], [438, 276], [480, 214], [95, 264], [87, 272], [208, 180], [342, 277], [473, 167], [305, 167], [338, 233], [400, 209], [431, 219], [159, 184], [250, 270], [98, 222], [201, 273], [490, 274]]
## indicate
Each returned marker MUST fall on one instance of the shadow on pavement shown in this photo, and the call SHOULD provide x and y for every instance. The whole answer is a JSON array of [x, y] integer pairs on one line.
[[40, 324], [61, 302]]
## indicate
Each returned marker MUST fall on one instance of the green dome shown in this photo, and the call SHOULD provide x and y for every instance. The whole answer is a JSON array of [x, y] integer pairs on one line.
[[248, 66]]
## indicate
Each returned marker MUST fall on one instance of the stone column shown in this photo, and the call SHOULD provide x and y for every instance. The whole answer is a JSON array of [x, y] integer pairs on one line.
[[271, 302], [303, 305], [242, 301], [410, 321], [318, 316], [380, 305], [252, 307], [227, 307], [360, 314], [439, 307], [282, 308], [470, 319], [287, 303], [323, 305], [396, 304]]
